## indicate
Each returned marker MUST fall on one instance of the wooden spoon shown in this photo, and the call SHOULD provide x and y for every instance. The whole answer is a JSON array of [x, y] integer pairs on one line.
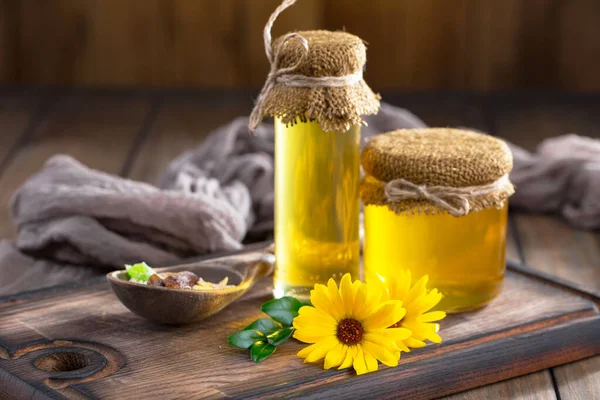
[[184, 306]]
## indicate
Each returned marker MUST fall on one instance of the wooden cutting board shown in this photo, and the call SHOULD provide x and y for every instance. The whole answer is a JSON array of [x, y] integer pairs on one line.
[[80, 342]]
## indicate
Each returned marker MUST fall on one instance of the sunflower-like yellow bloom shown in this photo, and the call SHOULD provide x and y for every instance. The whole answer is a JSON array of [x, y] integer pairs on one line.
[[417, 301], [350, 326]]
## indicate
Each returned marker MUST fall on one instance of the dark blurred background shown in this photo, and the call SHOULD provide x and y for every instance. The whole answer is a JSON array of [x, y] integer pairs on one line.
[[414, 45]]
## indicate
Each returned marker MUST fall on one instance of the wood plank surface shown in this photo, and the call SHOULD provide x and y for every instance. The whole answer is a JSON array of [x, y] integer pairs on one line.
[[548, 243], [177, 127], [181, 125], [98, 130], [9, 41], [536, 386], [417, 45], [577, 23], [69, 42], [197, 43], [529, 327], [579, 380], [17, 113]]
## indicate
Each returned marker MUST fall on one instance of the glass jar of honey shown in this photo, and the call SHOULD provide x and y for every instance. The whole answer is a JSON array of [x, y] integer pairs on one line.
[[435, 202], [317, 95]]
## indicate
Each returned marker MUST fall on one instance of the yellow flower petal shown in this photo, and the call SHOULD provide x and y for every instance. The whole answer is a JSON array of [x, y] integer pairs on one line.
[[425, 302], [360, 366], [431, 316], [387, 315], [435, 338], [381, 353], [312, 317], [400, 285], [414, 343], [346, 292], [415, 291], [363, 304], [375, 292], [321, 349], [380, 339], [320, 299], [355, 286], [334, 296], [349, 359], [335, 356], [308, 336], [316, 315], [402, 346], [397, 333], [371, 361], [306, 351]]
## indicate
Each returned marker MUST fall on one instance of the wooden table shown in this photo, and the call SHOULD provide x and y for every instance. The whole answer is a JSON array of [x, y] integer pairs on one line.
[[135, 134]]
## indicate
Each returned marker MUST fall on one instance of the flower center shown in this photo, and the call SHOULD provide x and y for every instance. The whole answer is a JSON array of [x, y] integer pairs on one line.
[[350, 331]]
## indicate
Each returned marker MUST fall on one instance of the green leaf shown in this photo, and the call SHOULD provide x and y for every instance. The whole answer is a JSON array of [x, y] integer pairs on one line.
[[140, 271], [260, 351], [264, 325], [283, 310], [245, 339], [280, 336]]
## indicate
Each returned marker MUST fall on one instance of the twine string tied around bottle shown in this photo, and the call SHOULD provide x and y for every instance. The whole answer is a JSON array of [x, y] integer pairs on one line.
[[285, 76]]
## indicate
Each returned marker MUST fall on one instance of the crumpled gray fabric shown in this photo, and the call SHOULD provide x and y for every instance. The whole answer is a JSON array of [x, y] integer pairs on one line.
[[563, 175], [69, 216], [231, 153], [72, 214], [207, 200]]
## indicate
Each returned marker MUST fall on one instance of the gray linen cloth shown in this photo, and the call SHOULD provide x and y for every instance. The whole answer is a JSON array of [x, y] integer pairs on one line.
[[562, 176], [74, 222]]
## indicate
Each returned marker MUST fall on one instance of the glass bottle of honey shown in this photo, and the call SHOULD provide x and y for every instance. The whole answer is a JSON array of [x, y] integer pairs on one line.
[[317, 95], [436, 203]]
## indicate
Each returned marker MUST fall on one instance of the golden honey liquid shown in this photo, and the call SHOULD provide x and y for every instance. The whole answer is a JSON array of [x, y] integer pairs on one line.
[[317, 177], [464, 257]]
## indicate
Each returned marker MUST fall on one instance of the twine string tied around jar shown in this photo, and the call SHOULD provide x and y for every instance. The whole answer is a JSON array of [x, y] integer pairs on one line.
[[455, 200]]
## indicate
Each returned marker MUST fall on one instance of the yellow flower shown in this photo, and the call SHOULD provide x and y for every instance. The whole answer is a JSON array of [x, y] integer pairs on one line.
[[417, 301], [350, 327]]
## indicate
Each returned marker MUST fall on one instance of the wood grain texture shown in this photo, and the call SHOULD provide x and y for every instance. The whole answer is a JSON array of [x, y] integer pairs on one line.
[[9, 41], [17, 111], [576, 380], [416, 45], [578, 22], [547, 242], [406, 48], [197, 43], [528, 121], [551, 245], [181, 125], [98, 130], [536, 386], [72, 42], [579, 380], [493, 33], [528, 328]]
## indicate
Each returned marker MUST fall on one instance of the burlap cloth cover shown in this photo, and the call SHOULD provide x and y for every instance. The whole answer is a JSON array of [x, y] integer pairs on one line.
[[335, 108], [437, 157]]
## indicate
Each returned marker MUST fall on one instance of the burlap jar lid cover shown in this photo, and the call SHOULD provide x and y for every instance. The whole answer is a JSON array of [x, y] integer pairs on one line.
[[436, 170], [315, 75]]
